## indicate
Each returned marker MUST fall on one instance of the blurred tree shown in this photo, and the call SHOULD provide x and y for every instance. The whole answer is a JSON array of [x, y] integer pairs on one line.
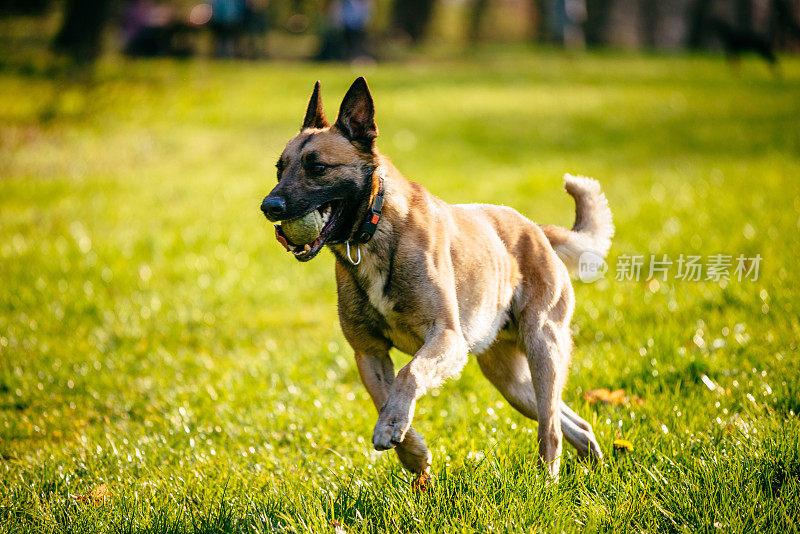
[[698, 23], [476, 15], [594, 29], [784, 25], [541, 13], [744, 14], [649, 23], [23, 7], [412, 17], [80, 36]]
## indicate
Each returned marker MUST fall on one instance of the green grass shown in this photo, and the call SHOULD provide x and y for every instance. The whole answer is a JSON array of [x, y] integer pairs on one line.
[[155, 338]]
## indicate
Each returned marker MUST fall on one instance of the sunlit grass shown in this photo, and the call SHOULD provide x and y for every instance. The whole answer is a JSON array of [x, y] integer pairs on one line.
[[155, 338]]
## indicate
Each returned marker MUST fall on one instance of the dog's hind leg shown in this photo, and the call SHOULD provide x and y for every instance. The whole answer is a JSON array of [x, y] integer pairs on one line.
[[377, 374], [507, 369], [579, 434], [547, 348]]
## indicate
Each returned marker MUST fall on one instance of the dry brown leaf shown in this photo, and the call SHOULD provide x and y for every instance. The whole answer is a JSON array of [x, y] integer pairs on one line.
[[594, 395], [607, 396], [603, 395], [617, 396], [98, 495]]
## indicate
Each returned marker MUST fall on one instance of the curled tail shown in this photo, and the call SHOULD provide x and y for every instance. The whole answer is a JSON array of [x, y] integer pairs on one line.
[[593, 227]]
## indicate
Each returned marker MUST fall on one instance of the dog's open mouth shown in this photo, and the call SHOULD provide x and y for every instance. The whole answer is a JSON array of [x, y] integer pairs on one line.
[[329, 212]]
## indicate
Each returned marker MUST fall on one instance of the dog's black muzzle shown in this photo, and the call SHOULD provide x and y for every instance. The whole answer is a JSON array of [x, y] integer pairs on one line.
[[274, 208]]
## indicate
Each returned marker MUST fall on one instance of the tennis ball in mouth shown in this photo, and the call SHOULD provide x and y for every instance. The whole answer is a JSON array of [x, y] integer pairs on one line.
[[303, 230]]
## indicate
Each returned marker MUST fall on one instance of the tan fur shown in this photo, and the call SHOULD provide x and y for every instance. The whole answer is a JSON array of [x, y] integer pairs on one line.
[[440, 281], [593, 228]]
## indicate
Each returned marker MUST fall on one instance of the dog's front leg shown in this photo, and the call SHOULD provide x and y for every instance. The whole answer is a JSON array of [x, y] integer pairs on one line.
[[443, 355], [377, 374]]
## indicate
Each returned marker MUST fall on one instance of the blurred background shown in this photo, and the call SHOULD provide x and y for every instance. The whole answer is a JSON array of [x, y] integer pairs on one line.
[[369, 30], [158, 347]]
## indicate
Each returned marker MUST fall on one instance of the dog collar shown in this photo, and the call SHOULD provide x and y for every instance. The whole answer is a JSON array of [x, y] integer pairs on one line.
[[370, 223]]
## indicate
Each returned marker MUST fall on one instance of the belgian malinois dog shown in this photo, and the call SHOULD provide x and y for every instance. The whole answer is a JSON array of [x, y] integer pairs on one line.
[[438, 281]]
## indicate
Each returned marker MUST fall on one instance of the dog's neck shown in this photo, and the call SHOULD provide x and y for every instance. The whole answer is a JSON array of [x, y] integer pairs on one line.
[[371, 212], [378, 251]]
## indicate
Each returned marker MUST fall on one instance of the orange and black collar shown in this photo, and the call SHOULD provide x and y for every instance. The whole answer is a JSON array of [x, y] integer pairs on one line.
[[370, 224]]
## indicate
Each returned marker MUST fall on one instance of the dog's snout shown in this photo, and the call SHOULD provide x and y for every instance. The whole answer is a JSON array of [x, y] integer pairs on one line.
[[273, 207]]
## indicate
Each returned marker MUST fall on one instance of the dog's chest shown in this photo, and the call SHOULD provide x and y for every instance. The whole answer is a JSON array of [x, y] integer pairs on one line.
[[374, 278]]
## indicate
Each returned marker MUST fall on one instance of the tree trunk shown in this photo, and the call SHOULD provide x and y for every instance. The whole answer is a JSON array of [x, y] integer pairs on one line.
[[698, 23], [744, 15], [23, 7], [81, 33], [541, 12], [476, 15], [412, 17], [594, 30], [649, 27]]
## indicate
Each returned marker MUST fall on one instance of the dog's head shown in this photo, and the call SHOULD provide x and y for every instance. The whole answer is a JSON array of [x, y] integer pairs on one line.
[[329, 169]]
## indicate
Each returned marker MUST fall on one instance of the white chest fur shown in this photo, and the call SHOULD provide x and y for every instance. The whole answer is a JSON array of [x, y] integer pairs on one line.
[[373, 276]]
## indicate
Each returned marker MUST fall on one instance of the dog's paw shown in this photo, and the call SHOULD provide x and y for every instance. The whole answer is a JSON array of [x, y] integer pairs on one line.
[[387, 435], [413, 453], [595, 454], [390, 430]]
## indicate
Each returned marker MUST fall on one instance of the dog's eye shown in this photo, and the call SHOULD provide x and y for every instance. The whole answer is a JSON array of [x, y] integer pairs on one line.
[[318, 168]]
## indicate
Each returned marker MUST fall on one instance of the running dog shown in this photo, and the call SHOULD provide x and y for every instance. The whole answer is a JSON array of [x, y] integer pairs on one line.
[[438, 281]]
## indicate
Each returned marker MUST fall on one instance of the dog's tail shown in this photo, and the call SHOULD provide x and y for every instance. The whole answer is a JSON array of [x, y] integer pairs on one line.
[[593, 227]]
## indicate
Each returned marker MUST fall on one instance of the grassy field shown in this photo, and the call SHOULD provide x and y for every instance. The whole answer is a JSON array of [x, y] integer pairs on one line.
[[166, 367]]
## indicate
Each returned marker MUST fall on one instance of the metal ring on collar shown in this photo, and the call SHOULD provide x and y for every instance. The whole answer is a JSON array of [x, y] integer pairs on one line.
[[358, 249]]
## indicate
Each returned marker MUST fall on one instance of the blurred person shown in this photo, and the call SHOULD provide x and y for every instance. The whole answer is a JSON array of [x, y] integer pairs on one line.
[[355, 16], [569, 18], [332, 48], [227, 25], [145, 29], [345, 30], [137, 20], [255, 28]]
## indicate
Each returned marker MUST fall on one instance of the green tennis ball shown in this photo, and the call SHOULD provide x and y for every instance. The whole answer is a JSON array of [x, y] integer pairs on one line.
[[303, 230]]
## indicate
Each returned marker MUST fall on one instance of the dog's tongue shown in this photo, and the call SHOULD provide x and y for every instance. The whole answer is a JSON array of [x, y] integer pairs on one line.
[[282, 240]]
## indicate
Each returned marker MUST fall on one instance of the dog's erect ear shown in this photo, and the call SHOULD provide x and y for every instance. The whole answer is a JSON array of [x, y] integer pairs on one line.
[[357, 115], [315, 116]]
